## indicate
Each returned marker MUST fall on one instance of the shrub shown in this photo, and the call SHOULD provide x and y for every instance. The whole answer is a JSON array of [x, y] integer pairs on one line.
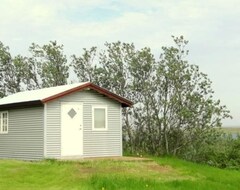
[[222, 152]]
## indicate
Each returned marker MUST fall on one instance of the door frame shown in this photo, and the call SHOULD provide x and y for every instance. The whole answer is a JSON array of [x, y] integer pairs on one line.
[[61, 125]]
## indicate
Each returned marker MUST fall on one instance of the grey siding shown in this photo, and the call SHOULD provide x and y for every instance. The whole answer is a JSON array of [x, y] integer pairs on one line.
[[25, 135], [95, 143]]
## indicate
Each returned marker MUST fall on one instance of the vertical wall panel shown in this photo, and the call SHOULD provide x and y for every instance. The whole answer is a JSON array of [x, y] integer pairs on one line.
[[95, 143], [25, 135]]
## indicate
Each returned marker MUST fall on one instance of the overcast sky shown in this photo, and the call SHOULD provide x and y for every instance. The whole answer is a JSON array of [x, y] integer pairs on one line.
[[212, 28]]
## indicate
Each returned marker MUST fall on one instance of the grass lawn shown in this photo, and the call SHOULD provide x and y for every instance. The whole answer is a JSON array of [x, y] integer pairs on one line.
[[155, 173]]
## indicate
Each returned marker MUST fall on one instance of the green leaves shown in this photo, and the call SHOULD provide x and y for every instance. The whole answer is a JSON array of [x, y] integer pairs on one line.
[[84, 66], [50, 64], [173, 99], [47, 66]]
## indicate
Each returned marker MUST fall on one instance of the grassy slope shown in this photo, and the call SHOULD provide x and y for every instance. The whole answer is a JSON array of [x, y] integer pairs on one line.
[[161, 173], [231, 129]]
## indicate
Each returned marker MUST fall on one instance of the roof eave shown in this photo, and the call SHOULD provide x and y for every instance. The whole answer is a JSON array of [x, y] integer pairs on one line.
[[125, 102], [34, 103]]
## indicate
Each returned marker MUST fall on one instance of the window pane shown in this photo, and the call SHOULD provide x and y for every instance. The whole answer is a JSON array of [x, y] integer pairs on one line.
[[99, 118], [4, 115], [4, 122], [72, 113], [4, 125], [0, 122]]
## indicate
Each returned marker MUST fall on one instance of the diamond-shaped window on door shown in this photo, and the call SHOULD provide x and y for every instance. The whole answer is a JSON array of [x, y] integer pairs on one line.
[[72, 113]]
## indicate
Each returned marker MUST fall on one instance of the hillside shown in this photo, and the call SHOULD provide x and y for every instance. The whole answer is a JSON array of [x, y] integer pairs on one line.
[[155, 173], [231, 129]]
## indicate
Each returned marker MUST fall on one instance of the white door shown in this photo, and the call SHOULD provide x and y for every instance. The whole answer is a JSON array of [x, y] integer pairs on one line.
[[71, 129]]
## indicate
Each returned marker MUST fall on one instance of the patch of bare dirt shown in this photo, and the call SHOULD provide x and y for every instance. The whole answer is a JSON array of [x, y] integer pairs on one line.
[[120, 158], [158, 168], [87, 170]]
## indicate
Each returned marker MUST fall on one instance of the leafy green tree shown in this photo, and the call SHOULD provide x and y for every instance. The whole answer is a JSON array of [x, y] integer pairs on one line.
[[5, 59], [84, 66], [108, 69], [12, 72], [188, 109], [48, 65], [174, 105], [24, 74]]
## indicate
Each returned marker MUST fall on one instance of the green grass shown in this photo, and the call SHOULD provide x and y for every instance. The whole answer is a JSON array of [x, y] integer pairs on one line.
[[158, 173]]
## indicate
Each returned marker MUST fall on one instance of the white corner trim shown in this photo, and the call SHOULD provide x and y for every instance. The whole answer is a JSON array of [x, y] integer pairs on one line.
[[121, 143], [106, 117], [45, 131]]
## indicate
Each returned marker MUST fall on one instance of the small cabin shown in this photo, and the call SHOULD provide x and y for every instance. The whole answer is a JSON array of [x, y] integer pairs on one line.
[[70, 121]]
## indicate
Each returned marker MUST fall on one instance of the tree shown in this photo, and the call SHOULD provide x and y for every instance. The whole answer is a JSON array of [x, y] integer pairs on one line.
[[188, 110], [84, 65], [174, 105], [109, 69], [13, 72], [48, 65], [5, 59]]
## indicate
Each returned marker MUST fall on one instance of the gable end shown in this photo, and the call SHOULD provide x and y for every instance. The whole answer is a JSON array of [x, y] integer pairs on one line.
[[124, 102]]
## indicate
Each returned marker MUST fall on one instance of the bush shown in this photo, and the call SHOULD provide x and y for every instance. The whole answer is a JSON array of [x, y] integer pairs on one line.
[[222, 152]]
